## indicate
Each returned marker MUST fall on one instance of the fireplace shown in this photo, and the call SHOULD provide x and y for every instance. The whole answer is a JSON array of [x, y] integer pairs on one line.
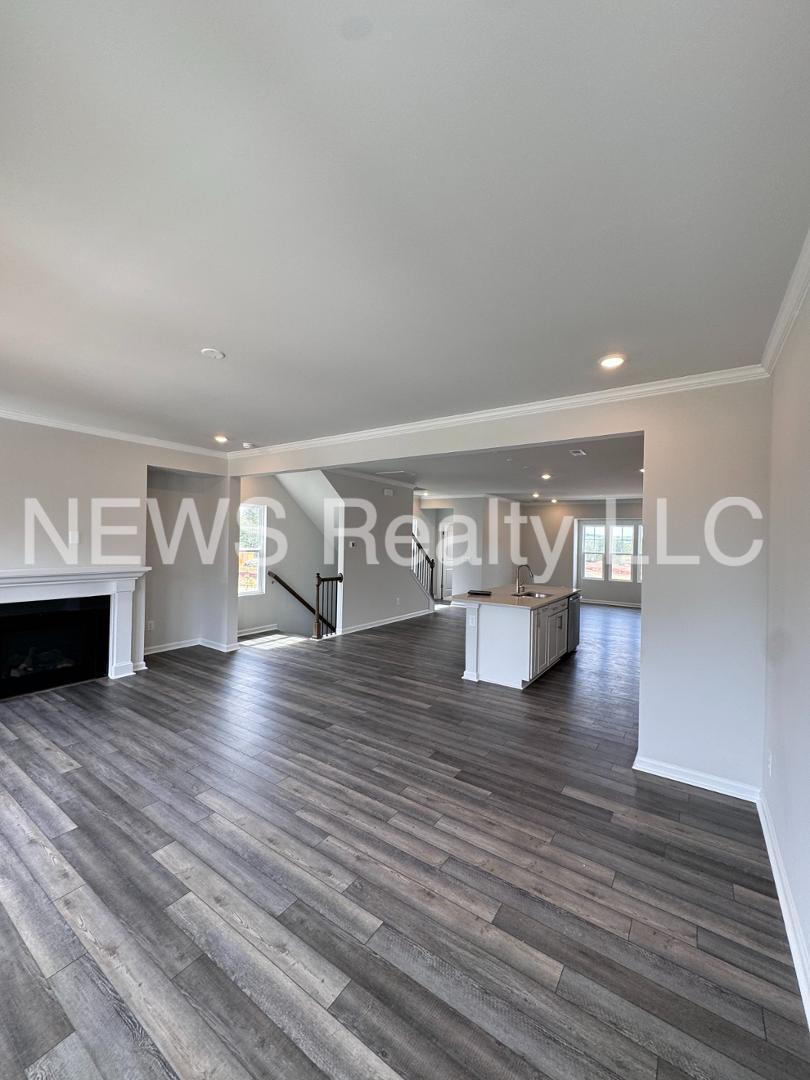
[[111, 590], [48, 643]]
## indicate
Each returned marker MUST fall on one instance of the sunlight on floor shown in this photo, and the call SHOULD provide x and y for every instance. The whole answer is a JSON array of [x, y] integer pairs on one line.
[[272, 641]]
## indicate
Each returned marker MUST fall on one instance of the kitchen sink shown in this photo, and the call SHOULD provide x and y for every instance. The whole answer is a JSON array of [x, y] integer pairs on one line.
[[534, 595]]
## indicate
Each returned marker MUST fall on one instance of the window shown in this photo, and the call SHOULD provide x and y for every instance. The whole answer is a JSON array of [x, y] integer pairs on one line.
[[621, 552], [252, 523], [609, 551], [593, 552]]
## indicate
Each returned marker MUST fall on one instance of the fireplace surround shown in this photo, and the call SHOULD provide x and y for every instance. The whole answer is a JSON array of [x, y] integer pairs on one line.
[[37, 608]]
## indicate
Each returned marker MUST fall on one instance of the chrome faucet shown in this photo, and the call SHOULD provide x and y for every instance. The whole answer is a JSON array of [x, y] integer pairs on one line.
[[518, 587]]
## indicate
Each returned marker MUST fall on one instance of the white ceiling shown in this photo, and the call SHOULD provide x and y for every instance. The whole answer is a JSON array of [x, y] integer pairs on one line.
[[610, 468], [389, 211]]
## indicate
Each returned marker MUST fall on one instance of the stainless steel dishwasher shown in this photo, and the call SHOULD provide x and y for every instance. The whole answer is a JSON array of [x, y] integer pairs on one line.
[[573, 621]]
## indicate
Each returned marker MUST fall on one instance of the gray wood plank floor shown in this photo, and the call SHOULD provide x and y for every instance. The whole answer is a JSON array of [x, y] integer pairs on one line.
[[338, 859]]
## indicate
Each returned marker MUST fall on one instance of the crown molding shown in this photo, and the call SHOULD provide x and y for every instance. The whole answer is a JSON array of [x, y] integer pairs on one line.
[[570, 500], [748, 373], [705, 380], [789, 309], [441, 497], [528, 501], [109, 433]]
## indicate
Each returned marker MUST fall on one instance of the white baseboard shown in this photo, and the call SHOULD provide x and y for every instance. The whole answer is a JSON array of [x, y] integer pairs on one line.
[[611, 603], [385, 622], [170, 646], [708, 781], [471, 676], [139, 665], [266, 629], [220, 646], [799, 948]]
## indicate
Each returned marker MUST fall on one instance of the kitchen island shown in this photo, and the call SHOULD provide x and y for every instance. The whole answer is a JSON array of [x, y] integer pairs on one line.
[[512, 639]]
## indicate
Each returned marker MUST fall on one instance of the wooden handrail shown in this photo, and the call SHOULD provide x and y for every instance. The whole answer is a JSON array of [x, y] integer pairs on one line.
[[297, 596]]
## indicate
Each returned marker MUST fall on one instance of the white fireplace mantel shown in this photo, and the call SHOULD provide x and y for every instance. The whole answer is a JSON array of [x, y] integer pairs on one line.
[[68, 582]]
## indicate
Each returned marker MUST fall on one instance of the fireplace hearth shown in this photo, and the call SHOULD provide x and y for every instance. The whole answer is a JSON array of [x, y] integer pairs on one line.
[[49, 643]]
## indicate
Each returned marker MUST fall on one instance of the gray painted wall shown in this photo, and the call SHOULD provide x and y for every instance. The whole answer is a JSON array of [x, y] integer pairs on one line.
[[427, 520], [464, 573], [375, 593], [490, 564], [303, 560], [52, 465], [701, 627], [498, 566], [188, 599], [787, 735], [552, 515]]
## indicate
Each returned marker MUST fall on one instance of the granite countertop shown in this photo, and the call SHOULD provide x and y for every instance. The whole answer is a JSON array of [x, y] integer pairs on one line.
[[502, 596]]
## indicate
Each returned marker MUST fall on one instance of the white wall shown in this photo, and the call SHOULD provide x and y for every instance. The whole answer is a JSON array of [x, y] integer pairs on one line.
[[304, 558], [787, 735], [386, 591], [703, 628], [551, 516]]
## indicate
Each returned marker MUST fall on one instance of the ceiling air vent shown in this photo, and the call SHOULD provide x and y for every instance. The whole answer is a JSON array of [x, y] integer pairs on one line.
[[578, 453]]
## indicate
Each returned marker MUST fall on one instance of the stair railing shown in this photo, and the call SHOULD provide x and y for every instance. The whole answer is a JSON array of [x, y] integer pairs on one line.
[[325, 608], [326, 604], [422, 566]]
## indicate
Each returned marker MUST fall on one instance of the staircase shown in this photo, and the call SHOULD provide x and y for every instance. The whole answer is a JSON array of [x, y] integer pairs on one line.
[[325, 608], [423, 568]]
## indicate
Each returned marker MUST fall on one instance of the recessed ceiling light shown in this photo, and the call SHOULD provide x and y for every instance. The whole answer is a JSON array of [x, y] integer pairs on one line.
[[535, 494], [553, 500], [546, 476], [641, 470], [248, 445], [578, 453], [612, 360], [221, 438], [212, 354]]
